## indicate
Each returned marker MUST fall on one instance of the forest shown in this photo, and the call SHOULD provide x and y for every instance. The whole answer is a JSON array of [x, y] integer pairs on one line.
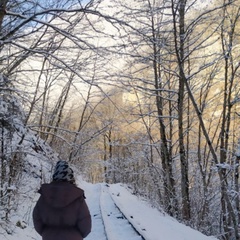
[[142, 92]]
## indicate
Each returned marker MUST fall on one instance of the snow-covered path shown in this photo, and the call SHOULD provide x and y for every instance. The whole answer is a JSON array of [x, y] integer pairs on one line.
[[117, 226], [93, 201], [115, 210], [108, 221]]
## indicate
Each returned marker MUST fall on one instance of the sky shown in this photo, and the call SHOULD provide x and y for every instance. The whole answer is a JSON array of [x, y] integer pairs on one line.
[[107, 204]]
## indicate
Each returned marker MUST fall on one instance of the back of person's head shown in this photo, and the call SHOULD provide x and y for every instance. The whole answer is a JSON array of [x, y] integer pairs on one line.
[[63, 173]]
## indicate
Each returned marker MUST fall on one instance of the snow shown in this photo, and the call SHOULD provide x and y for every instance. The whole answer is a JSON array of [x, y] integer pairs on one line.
[[105, 202], [148, 221]]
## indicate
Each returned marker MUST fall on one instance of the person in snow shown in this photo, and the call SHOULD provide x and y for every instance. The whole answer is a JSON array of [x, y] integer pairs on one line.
[[61, 212]]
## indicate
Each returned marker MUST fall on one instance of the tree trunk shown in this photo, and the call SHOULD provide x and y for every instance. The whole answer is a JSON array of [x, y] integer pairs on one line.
[[179, 47]]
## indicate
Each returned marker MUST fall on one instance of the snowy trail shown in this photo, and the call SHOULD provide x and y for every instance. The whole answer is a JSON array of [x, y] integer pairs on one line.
[[116, 225], [93, 200], [119, 210], [108, 221]]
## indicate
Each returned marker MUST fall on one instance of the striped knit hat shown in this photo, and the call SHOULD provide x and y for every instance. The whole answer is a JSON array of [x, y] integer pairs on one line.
[[63, 173]]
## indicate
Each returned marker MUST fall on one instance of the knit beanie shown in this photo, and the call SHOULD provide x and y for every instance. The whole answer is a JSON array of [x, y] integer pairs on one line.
[[63, 173]]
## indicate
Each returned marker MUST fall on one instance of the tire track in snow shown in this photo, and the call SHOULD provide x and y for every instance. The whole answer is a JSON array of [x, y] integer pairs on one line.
[[93, 201], [116, 224]]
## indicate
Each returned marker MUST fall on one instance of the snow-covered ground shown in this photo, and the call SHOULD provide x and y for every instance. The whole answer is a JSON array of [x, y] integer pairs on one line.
[[107, 204], [149, 222]]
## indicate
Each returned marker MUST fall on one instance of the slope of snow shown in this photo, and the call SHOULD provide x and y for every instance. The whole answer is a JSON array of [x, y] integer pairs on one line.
[[108, 222]]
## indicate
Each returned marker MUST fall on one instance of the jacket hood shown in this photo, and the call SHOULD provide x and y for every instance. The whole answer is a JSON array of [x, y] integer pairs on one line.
[[60, 194]]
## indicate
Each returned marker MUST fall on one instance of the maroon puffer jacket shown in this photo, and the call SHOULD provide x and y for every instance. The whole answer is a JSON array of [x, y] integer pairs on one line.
[[61, 212]]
